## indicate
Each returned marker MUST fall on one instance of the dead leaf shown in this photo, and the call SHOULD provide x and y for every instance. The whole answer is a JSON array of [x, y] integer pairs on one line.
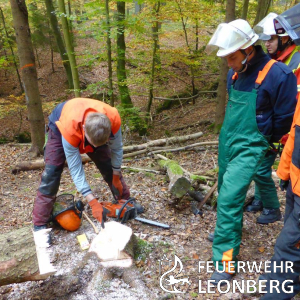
[[261, 249], [195, 256]]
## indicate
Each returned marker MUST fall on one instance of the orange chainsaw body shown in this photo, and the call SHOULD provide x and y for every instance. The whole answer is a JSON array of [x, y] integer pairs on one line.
[[114, 208]]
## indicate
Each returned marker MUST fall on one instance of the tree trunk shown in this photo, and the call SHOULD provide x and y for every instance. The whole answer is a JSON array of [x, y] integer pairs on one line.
[[194, 91], [29, 75], [59, 41], [51, 52], [245, 9], [262, 10], [121, 50], [37, 55], [18, 257], [138, 7], [69, 47], [155, 28], [69, 14], [109, 64], [12, 50], [230, 11], [222, 91], [197, 35]]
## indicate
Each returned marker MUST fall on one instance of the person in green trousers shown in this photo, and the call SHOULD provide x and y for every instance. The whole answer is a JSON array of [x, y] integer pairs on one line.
[[262, 100], [282, 48]]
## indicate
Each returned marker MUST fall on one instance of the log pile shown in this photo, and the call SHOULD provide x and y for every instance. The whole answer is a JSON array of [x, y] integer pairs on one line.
[[149, 148]]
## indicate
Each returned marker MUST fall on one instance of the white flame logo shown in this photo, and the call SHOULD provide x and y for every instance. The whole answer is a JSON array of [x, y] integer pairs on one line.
[[173, 280]]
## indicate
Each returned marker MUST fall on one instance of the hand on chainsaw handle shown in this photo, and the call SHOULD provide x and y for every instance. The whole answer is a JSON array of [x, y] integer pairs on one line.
[[117, 185], [98, 211]]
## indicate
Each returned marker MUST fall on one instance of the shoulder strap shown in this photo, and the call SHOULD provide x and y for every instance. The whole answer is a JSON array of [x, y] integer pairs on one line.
[[263, 73], [235, 76]]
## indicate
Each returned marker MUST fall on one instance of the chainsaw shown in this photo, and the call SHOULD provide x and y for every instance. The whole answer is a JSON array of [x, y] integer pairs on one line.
[[124, 210]]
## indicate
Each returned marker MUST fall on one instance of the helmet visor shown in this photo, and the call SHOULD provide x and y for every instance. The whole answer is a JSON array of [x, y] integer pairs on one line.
[[289, 21], [227, 38], [265, 28]]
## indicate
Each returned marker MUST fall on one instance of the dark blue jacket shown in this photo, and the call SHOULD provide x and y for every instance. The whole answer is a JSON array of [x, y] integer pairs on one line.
[[276, 97]]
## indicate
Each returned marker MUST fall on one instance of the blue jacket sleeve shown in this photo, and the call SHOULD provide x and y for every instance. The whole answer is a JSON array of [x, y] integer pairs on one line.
[[116, 147], [76, 169], [284, 103]]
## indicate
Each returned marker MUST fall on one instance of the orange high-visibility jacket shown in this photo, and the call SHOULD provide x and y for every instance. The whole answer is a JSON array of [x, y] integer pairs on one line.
[[289, 165], [73, 117]]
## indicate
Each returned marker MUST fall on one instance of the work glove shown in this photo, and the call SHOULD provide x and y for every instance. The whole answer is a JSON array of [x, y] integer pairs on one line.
[[98, 212], [283, 184], [117, 186]]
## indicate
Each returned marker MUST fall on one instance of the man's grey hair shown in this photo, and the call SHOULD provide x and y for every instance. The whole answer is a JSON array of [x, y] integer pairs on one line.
[[98, 128]]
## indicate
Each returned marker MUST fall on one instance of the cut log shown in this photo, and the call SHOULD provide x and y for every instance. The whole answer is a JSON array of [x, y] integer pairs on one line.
[[180, 183], [18, 258], [39, 164], [114, 245], [160, 142]]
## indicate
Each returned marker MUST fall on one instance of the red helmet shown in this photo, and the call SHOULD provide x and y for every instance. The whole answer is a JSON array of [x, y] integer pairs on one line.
[[67, 213]]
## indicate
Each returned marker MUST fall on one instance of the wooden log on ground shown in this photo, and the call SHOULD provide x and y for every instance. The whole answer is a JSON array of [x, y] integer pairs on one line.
[[180, 182], [18, 257], [160, 142], [38, 164]]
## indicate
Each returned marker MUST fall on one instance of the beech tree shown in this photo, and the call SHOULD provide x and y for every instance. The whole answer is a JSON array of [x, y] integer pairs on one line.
[[262, 10], [121, 56], [59, 41], [29, 75], [155, 28], [245, 9], [222, 91], [69, 47], [109, 63]]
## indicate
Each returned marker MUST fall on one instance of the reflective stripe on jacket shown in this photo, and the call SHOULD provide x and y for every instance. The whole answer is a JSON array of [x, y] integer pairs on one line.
[[73, 117], [289, 165]]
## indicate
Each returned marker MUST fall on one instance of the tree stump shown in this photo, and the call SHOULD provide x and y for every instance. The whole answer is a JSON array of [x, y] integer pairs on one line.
[[114, 245]]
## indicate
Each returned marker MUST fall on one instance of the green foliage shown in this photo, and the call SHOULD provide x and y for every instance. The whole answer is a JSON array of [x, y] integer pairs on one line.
[[198, 178], [143, 248], [3, 140], [39, 23], [133, 119], [23, 137], [275, 165]]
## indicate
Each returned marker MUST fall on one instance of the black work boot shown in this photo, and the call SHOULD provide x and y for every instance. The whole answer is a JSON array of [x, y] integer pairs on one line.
[[41, 227], [211, 237], [269, 216], [254, 206], [217, 276]]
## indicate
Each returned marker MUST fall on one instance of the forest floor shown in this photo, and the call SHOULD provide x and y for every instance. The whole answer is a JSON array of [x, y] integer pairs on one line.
[[186, 238]]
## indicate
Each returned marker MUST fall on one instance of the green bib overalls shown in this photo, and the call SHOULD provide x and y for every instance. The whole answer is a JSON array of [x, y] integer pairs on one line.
[[242, 148]]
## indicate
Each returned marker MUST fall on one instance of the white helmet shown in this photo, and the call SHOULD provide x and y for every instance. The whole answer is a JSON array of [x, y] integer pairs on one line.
[[232, 36], [265, 28]]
